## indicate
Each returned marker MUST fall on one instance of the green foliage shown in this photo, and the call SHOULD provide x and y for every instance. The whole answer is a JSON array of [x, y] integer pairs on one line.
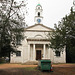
[[64, 32], [64, 35], [11, 25]]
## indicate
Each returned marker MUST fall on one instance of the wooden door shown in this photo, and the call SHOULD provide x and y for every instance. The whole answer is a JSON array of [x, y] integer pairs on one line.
[[38, 54]]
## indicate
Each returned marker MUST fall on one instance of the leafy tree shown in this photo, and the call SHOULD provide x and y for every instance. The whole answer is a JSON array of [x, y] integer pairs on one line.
[[63, 35], [12, 23]]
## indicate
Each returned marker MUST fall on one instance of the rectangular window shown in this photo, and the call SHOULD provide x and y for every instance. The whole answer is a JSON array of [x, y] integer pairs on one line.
[[18, 53], [57, 53], [18, 40]]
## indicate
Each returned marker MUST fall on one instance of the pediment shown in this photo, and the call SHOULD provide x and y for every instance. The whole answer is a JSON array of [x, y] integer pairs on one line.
[[39, 27]]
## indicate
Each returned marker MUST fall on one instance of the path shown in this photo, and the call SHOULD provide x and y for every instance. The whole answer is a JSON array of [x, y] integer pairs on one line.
[[5, 66]]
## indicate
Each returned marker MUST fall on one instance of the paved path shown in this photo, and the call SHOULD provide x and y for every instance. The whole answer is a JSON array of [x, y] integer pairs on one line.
[[5, 66]]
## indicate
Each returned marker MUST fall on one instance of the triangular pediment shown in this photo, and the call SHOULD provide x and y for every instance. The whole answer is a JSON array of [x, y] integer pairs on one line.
[[39, 27]]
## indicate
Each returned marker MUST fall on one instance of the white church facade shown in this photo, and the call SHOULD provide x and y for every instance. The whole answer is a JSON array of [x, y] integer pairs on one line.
[[35, 46]]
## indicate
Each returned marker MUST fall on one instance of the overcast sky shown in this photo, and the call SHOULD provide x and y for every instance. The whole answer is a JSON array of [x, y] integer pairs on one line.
[[53, 11]]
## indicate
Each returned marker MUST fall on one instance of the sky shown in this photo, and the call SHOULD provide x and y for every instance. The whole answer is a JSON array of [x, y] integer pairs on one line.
[[53, 11]]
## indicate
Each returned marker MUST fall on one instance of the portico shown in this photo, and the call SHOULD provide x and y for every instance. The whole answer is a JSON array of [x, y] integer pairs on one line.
[[38, 49]]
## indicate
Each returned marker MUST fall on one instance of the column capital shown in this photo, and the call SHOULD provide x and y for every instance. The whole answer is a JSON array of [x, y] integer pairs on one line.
[[33, 43], [28, 43]]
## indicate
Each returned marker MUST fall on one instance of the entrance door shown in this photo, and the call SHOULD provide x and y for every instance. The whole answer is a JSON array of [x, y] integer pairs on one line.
[[38, 54]]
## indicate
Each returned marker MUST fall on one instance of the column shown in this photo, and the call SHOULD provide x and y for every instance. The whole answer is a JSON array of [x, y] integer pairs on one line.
[[49, 53], [28, 51], [44, 47], [33, 51]]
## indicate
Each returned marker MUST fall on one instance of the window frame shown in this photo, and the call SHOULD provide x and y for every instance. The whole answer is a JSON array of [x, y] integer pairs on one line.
[[39, 14], [57, 53], [18, 53], [18, 41]]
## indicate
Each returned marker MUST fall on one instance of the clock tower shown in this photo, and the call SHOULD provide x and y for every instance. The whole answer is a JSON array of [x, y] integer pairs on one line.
[[38, 14]]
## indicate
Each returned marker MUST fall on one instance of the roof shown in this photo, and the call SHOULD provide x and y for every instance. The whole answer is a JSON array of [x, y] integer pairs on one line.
[[36, 25], [38, 4]]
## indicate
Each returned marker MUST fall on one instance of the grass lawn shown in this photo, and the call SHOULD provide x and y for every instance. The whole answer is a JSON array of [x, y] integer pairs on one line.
[[18, 69], [35, 71]]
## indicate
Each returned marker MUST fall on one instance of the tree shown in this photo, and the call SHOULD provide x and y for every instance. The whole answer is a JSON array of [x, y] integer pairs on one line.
[[64, 36], [11, 25]]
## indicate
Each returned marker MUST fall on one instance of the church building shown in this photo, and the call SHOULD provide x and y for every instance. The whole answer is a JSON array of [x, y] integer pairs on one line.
[[35, 45]]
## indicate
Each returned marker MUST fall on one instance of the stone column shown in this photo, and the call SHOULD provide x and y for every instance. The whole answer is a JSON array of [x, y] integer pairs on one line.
[[44, 47], [28, 51], [33, 51], [49, 53]]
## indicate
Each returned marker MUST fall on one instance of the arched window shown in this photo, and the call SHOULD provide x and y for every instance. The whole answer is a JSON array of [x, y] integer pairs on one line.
[[38, 7], [38, 13]]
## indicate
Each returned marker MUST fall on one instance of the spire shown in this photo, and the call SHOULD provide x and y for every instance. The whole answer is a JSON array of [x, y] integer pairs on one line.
[[38, 4]]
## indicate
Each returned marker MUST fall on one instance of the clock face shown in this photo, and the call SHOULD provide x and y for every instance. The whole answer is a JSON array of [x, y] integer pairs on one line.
[[38, 20]]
